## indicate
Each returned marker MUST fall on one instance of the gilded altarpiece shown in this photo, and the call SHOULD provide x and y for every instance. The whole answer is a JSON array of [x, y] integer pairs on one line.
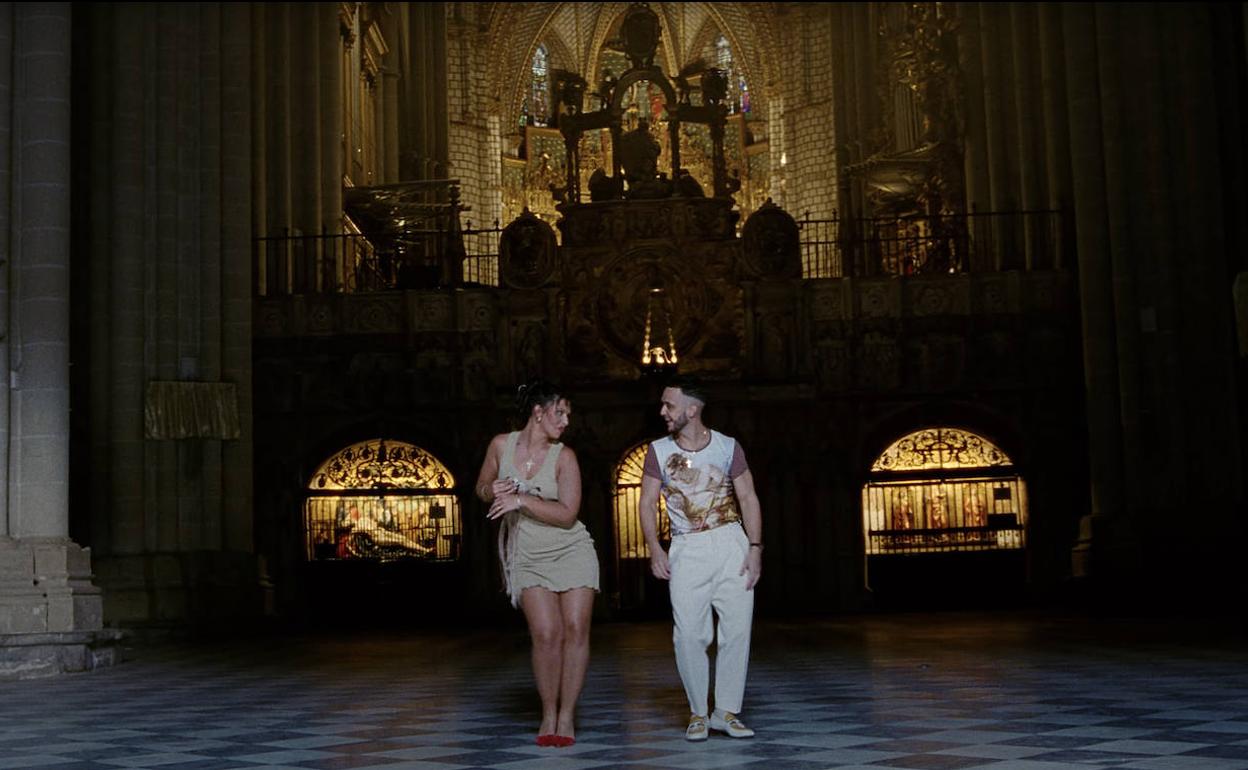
[[532, 182]]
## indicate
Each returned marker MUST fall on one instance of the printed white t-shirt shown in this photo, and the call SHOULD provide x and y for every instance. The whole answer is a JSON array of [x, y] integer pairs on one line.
[[697, 486]]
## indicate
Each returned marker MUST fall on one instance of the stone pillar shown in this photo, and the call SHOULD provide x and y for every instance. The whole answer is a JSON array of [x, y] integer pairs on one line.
[[328, 93], [6, 180], [1152, 148], [1056, 132], [1027, 123], [425, 112], [1000, 132], [50, 613], [170, 226], [1096, 287], [388, 101], [236, 275]]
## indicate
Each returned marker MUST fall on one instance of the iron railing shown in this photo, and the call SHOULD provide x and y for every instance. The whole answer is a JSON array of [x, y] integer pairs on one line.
[[442, 255], [914, 245], [349, 262]]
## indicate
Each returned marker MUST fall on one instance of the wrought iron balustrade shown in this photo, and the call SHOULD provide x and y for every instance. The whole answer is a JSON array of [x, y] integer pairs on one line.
[[915, 245], [351, 262], [445, 255]]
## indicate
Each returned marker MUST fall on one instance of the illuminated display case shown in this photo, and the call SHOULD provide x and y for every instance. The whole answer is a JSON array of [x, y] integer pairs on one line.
[[382, 500], [941, 490]]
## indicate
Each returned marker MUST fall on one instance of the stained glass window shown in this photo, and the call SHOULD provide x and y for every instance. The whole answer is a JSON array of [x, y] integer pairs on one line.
[[382, 499], [740, 101], [943, 489], [535, 111]]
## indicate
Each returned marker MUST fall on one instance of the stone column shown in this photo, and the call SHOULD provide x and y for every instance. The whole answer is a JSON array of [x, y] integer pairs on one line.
[[1105, 440], [1000, 129], [170, 247], [236, 229], [328, 92], [1056, 134], [975, 161], [48, 605], [1028, 138], [425, 117], [6, 181]]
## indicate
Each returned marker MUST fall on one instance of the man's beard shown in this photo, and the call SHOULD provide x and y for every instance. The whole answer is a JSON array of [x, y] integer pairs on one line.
[[678, 424]]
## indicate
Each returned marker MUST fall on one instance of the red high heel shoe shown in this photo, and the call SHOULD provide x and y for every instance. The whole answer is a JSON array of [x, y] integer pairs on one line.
[[548, 740], [563, 741]]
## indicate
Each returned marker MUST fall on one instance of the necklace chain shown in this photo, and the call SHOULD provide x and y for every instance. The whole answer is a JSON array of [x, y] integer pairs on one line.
[[528, 464], [705, 434]]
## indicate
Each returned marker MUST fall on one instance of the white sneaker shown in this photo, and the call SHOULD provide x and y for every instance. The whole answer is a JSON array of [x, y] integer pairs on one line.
[[727, 722], [696, 731]]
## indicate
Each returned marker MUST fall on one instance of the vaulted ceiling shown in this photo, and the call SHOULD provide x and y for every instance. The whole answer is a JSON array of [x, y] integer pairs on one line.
[[574, 33]]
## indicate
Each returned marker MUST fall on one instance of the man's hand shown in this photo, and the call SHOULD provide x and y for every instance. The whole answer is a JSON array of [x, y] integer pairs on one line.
[[658, 564], [753, 565]]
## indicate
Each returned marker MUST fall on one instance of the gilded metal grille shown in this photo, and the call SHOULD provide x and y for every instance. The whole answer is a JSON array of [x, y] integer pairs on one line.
[[629, 542], [382, 500], [943, 448], [925, 516], [378, 464], [943, 489]]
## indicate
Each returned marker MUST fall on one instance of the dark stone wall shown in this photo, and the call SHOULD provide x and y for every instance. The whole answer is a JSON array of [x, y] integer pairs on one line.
[[815, 378]]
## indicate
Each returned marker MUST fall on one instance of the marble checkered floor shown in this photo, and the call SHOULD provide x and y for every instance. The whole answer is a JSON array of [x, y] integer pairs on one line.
[[1018, 690]]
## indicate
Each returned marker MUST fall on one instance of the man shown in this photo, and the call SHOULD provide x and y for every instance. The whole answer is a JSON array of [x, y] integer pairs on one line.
[[716, 553]]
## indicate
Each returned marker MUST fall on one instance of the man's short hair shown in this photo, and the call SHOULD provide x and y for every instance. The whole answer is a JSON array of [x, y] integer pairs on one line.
[[690, 387]]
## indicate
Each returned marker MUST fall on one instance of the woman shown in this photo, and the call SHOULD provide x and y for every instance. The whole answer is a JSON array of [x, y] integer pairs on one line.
[[550, 568]]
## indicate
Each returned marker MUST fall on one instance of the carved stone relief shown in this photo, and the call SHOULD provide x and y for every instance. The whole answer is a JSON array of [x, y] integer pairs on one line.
[[774, 346], [527, 253], [832, 365], [623, 289], [879, 361], [879, 299], [320, 317], [772, 243], [529, 349], [993, 295], [431, 312], [936, 298], [271, 319], [829, 301], [935, 361], [478, 312], [374, 313]]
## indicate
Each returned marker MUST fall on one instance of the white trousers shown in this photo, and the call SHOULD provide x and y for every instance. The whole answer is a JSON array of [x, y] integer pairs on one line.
[[705, 576]]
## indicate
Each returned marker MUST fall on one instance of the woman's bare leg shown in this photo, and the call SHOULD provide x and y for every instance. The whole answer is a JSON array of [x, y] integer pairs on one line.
[[577, 610], [542, 610]]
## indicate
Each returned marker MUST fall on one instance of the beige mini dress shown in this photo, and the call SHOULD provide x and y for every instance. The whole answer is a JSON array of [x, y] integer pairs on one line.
[[538, 554]]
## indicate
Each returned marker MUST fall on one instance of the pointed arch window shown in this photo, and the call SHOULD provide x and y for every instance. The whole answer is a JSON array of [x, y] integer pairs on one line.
[[535, 111], [382, 500], [740, 98], [943, 489]]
